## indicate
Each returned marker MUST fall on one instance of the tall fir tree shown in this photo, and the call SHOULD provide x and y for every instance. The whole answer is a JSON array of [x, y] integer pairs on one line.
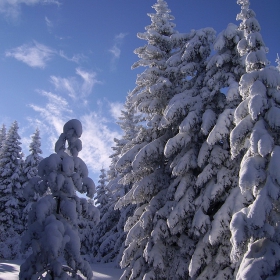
[[53, 220], [255, 228], [217, 181], [144, 257], [30, 170], [110, 237], [186, 116], [11, 196]]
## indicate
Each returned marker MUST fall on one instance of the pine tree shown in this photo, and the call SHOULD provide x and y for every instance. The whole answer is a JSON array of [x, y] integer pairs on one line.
[[2, 136], [217, 181], [10, 194], [146, 252], [183, 118], [53, 220], [102, 196], [30, 170], [110, 235], [108, 220], [278, 62], [88, 219], [255, 228]]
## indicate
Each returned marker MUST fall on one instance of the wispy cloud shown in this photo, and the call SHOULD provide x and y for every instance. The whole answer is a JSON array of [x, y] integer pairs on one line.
[[115, 50], [97, 140], [12, 8], [49, 24], [89, 80], [34, 54], [68, 85], [115, 109], [77, 58], [79, 86], [51, 116], [97, 137]]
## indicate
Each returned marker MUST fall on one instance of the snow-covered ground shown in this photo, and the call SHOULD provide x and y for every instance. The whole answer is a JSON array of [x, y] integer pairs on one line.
[[9, 270]]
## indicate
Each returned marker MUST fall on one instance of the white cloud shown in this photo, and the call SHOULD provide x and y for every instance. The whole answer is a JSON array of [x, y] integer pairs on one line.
[[97, 137], [12, 8], [77, 58], [34, 55], [76, 87], [68, 85], [52, 116], [97, 141], [120, 36], [115, 50], [115, 109], [89, 80], [55, 111], [49, 23]]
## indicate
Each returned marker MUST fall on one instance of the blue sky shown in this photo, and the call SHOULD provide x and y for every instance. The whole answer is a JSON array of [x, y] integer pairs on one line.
[[63, 59]]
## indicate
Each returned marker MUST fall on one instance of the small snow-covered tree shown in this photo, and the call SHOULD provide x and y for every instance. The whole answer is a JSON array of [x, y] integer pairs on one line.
[[2, 136], [53, 220], [11, 225], [278, 62], [102, 195], [102, 252], [88, 219], [30, 170], [255, 228]]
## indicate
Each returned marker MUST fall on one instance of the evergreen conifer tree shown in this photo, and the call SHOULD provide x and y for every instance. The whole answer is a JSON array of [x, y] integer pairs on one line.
[[186, 114], [11, 207], [110, 237], [146, 255], [278, 62], [255, 228], [217, 178], [2, 136], [53, 220], [88, 219], [30, 170], [102, 195]]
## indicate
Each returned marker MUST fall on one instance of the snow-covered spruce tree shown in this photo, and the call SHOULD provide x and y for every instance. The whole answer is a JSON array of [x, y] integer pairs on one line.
[[108, 220], [106, 232], [102, 196], [217, 178], [183, 117], [278, 62], [110, 235], [52, 222], [255, 228], [2, 136], [88, 219], [11, 225], [30, 170], [149, 251]]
